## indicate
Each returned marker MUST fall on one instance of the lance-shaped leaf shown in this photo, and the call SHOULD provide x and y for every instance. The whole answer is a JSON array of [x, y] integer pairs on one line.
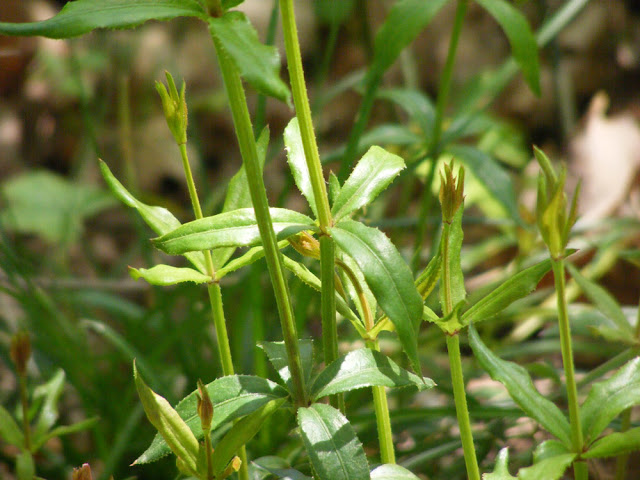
[[237, 228], [83, 16], [238, 196], [520, 387], [610, 397], [501, 469], [63, 430], [298, 163], [373, 173], [458, 292], [240, 434], [403, 23], [491, 175], [159, 219], [389, 278], [603, 300], [364, 368], [168, 275], [615, 444], [257, 63], [277, 354], [418, 106], [227, 4], [51, 392], [551, 468], [170, 426], [9, 430], [392, 472], [516, 287], [548, 449], [427, 280], [233, 397], [523, 44], [332, 444]]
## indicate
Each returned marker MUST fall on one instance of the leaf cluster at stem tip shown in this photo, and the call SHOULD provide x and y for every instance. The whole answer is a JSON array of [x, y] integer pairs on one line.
[[451, 192]]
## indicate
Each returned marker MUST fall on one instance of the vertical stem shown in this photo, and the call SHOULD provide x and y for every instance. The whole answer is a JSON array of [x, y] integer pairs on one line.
[[383, 419], [24, 401], [246, 140], [215, 300], [567, 361], [455, 363]]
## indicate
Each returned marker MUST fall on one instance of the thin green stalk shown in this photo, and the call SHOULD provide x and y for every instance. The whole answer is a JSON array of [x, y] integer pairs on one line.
[[455, 362], [567, 361], [261, 105], [327, 247], [622, 460], [215, 300], [24, 401], [383, 418], [207, 449], [246, 141]]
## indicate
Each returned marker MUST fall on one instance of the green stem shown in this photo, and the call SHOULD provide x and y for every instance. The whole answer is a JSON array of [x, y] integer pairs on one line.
[[215, 300], [207, 449], [567, 361], [462, 411], [246, 140], [455, 362], [24, 401], [261, 104], [383, 419]]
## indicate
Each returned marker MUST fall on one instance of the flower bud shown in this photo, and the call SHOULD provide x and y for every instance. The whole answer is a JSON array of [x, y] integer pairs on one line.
[[205, 407], [20, 351], [451, 192], [82, 473], [175, 108], [306, 245], [232, 468]]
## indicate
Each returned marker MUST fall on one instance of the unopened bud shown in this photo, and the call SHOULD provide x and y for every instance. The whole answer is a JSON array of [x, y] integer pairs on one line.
[[20, 351], [175, 108], [232, 468], [205, 407], [82, 473], [306, 245], [451, 192]]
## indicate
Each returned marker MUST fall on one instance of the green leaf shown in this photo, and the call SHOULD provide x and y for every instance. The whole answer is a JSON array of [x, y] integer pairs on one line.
[[603, 300], [405, 21], [237, 228], [64, 430], [277, 354], [51, 392], [615, 444], [392, 472], [168, 275], [332, 12], [389, 278], [9, 430], [608, 398], [550, 469], [25, 466], [520, 387], [275, 466], [491, 175], [238, 196], [332, 444], [169, 424], [46, 204], [240, 434], [307, 277], [548, 449], [426, 281], [334, 187], [83, 16], [257, 63], [159, 219], [227, 4], [232, 397], [456, 235], [298, 163], [364, 368], [418, 106], [501, 469], [516, 287], [372, 174], [523, 43], [252, 255]]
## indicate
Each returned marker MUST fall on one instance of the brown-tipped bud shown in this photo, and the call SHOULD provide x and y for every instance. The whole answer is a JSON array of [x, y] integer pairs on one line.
[[82, 473], [205, 407], [306, 245], [451, 192], [20, 351], [232, 468]]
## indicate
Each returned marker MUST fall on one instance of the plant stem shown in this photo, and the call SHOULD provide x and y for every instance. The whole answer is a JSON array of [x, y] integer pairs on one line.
[[261, 104], [462, 411], [383, 419], [215, 300], [246, 140], [24, 401], [567, 361], [455, 363], [327, 247]]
